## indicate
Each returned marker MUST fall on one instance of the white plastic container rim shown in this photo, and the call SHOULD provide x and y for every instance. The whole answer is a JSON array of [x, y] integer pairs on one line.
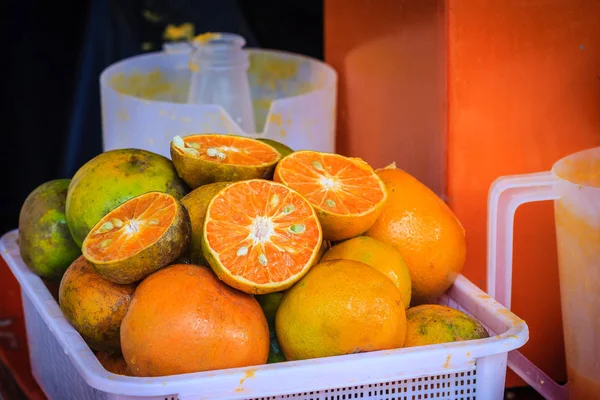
[[305, 120], [290, 377]]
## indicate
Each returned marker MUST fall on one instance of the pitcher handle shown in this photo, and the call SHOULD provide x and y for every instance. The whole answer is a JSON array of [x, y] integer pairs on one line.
[[506, 194]]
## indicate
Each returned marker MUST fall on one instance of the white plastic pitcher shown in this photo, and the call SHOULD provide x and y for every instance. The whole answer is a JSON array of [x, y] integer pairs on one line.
[[574, 185], [144, 101]]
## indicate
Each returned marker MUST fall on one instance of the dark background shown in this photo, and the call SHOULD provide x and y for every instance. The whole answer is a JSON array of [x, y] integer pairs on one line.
[[57, 50]]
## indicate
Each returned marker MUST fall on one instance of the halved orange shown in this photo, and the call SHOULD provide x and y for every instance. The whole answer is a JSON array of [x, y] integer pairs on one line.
[[260, 236], [346, 193], [208, 158], [137, 238]]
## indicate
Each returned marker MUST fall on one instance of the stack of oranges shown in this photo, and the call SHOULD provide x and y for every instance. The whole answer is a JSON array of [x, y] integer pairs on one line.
[[273, 255]]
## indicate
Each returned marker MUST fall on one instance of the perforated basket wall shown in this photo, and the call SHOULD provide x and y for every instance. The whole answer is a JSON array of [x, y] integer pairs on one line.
[[459, 386], [66, 368]]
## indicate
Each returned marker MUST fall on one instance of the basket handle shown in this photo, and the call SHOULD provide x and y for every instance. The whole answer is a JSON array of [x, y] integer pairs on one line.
[[505, 196]]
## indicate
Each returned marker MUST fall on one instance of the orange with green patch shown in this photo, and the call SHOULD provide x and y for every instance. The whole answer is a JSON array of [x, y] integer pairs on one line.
[[45, 243], [346, 192], [110, 179], [433, 323], [260, 236], [208, 158], [139, 237]]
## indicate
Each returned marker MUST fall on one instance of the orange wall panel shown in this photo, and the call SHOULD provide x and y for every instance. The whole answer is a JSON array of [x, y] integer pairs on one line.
[[390, 61], [523, 91], [459, 92]]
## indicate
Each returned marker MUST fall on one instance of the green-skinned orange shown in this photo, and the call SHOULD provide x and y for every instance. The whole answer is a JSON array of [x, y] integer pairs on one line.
[[45, 242], [433, 323], [110, 179]]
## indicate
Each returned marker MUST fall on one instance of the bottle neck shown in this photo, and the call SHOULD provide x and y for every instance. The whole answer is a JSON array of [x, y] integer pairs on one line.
[[218, 51]]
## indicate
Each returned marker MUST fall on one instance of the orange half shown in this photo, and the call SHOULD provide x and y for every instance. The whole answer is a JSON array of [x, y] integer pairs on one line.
[[260, 236], [208, 158], [226, 149], [346, 192], [137, 238]]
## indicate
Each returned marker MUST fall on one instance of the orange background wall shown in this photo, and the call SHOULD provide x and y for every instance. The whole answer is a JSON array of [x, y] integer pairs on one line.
[[391, 102], [522, 93], [461, 92]]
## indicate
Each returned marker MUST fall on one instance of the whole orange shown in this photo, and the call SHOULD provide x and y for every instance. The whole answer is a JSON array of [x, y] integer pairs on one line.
[[340, 307], [425, 231], [433, 323], [383, 257], [94, 306], [183, 319]]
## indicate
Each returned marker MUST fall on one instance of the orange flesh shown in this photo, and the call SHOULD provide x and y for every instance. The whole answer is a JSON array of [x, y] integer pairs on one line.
[[143, 220], [332, 182], [250, 226], [226, 149]]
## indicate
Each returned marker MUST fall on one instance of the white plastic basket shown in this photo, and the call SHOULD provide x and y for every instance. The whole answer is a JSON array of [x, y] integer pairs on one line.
[[66, 368]]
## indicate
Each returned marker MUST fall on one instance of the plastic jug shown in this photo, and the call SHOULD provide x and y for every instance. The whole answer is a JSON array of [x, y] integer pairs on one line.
[[144, 101], [574, 185]]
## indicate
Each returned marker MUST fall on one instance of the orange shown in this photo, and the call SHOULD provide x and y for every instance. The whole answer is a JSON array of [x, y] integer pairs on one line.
[[45, 243], [93, 305], [424, 230], [346, 192], [114, 363], [183, 319], [138, 237], [196, 203], [340, 307], [280, 147], [208, 158], [260, 236], [433, 323], [270, 303], [110, 179], [383, 257]]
